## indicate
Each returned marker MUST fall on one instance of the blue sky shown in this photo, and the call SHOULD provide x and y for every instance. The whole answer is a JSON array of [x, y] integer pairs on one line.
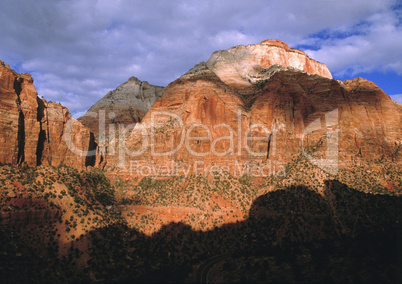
[[77, 51]]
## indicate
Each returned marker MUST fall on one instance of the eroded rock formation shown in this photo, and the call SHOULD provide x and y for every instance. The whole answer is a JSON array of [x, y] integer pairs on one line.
[[242, 107], [246, 68], [37, 132], [125, 105], [264, 104]]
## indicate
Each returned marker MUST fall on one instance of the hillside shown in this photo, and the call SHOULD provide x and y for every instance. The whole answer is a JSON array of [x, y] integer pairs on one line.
[[71, 225]]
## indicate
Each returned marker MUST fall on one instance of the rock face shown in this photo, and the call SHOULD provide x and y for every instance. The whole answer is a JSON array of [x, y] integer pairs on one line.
[[247, 110], [241, 107], [37, 132], [126, 105], [245, 67]]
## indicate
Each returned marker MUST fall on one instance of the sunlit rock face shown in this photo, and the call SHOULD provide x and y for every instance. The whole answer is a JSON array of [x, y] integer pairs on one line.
[[262, 104], [38, 132], [245, 68]]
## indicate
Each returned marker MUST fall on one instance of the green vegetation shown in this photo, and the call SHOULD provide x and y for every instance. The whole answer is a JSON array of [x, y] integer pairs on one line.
[[303, 226]]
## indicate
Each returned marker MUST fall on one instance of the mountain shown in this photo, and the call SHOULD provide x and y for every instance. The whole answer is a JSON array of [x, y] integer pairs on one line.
[[265, 104], [37, 132], [127, 104], [262, 103]]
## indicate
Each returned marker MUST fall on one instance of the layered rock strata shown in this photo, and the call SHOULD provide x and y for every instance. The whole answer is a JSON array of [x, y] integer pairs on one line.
[[261, 104], [245, 68], [244, 108], [37, 132]]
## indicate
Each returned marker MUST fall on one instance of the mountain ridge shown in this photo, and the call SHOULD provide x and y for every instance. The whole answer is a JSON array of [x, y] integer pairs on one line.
[[282, 99]]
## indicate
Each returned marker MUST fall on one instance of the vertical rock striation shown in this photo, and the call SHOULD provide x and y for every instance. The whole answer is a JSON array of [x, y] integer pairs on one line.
[[37, 132], [263, 103]]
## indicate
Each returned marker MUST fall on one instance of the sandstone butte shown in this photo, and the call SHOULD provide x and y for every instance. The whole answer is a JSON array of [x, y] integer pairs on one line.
[[292, 100]]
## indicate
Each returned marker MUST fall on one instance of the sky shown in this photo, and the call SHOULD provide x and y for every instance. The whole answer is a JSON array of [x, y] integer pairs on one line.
[[77, 51]]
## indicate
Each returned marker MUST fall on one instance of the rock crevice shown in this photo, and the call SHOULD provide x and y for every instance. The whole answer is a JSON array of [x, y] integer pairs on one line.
[[21, 122]]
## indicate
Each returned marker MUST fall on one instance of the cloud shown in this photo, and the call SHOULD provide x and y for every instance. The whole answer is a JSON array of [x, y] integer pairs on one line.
[[397, 98], [77, 51], [370, 45]]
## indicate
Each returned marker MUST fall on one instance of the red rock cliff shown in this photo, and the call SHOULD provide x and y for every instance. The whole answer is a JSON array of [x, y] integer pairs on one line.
[[37, 132], [262, 104], [216, 115]]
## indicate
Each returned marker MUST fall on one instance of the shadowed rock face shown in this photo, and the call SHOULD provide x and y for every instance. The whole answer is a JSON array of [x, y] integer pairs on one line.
[[35, 131], [126, 105]]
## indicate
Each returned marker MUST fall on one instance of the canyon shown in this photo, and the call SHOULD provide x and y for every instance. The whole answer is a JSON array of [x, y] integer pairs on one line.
[[255, 165]]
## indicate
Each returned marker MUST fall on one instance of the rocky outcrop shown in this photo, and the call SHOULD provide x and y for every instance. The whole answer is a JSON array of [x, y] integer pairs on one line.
[[318, 115], [222, 114], [244, 68], [66, 141], [16, 95], [126, 105], [37, 132]]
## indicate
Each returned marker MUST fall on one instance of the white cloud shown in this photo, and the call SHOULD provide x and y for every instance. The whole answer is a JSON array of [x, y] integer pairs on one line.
[[374, 45], [397, 98], [79, 50], [226, 39]]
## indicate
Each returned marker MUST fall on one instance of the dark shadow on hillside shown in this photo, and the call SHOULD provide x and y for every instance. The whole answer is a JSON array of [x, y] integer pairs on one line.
[[291, 235]]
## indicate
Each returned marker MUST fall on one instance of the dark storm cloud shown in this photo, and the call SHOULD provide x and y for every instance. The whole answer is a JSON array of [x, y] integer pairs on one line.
[[79, 50]]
